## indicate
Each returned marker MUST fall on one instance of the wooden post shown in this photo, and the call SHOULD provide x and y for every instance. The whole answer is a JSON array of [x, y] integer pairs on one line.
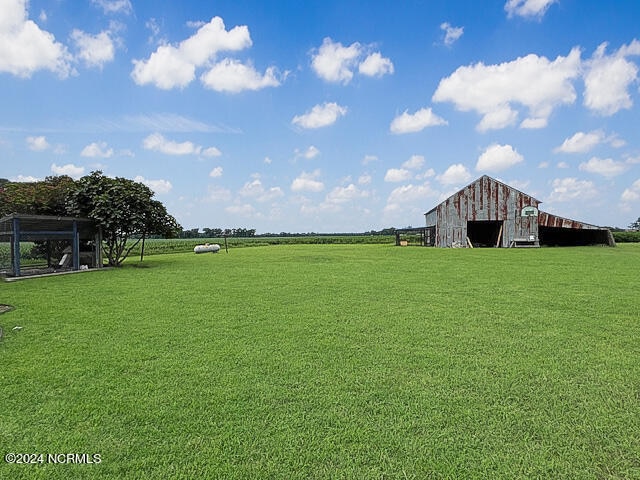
[[499, 236], [16, 247], [76, 246], [142, 249]]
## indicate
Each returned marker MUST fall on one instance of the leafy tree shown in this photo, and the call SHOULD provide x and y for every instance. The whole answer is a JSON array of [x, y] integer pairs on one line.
[[635, 225], [124, 209], [46, 197]]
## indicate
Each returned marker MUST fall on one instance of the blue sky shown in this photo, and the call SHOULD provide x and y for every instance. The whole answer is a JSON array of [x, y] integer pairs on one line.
[[327, 116]]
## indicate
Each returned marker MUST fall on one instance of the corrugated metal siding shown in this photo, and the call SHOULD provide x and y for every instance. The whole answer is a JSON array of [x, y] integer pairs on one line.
[[549, 220], [485, 199]]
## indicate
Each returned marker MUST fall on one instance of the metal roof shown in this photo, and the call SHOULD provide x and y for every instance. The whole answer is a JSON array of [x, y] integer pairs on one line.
[[42, 225], [478, 180]]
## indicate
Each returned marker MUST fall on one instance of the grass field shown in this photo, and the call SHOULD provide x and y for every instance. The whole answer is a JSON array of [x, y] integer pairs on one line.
[[329, 361]]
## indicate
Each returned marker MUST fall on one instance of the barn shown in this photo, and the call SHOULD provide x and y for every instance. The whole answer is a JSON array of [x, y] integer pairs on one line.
[[489, 213]]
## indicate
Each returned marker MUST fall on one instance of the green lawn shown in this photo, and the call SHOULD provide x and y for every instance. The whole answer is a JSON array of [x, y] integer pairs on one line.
[[330, 361]]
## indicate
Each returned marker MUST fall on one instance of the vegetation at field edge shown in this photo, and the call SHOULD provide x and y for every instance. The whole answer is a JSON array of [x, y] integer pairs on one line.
[[330, 361]]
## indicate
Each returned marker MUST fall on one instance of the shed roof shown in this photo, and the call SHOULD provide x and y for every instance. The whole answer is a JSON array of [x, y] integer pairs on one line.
[[32, 225]]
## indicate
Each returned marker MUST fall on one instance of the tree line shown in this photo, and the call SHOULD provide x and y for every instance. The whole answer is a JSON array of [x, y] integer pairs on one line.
[[251, 232], [217, 232]]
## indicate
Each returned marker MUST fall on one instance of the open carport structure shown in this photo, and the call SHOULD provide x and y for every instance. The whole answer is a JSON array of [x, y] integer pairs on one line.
[[489, 213], [65, 243]]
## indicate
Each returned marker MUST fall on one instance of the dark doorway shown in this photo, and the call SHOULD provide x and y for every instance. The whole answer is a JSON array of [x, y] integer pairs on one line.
[[485, 233], [572, 237]]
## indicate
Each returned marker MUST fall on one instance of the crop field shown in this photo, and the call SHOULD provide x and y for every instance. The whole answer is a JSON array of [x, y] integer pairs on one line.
[[328, 361]]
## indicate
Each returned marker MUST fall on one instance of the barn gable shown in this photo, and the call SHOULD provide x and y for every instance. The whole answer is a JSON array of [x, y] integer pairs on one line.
[[490, 213]]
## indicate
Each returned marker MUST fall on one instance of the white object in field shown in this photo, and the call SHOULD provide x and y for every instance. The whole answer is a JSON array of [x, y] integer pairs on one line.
[[208, 247], [65, 261]]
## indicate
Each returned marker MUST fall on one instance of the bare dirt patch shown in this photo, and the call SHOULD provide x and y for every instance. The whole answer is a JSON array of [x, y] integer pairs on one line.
[[5, 308]]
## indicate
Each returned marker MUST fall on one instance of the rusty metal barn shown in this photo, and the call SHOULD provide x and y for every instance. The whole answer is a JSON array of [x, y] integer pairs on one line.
[[489, 213]]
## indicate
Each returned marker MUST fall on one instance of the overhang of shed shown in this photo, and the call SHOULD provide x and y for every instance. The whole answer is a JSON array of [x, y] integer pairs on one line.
[[37, 227]]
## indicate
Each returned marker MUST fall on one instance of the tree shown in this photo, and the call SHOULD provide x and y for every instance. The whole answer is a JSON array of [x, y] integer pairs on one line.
[[46, 197], [125, 211], [635, 225]]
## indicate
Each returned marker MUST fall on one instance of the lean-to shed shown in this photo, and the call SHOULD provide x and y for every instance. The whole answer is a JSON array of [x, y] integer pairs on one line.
[[489, 213], [64, 243]]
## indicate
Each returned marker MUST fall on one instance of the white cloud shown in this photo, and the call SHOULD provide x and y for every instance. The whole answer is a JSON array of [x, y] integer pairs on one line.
[[94, 50], [493, 91], [369, 158], [307, 182], [397, 175], [233, 76], [309, 154], [320, 116], [568, 189], [527, 8], [211, 152], [158, 186], [375, 65], [631, 194], [244, 210], [114, 6], [25, 179], [405, 195], [163, 122], [497, 158], [174, 66], [218, 194], [606, 167], [455, 175], [430, 172], [37, 144], [271, 194], [25, 48], [414, 163], [216, 172], [409, 123], [97, 150], [158, 143], [69, 169], [345, 194], [334, 62], [608, 79], [255, 189], [451, 34], [581, 142], [365, 179]]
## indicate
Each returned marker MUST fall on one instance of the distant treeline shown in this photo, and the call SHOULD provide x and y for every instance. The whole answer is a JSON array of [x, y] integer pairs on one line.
[[620, 236], [251, 232], [626, 236]]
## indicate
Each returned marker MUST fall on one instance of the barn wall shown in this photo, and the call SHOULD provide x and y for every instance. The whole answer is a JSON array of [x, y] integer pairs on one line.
[[485, 199]]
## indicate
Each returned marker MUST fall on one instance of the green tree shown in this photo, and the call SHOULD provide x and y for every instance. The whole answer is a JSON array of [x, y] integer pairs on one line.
[[124, 209], [47, 197], [635, 225]]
